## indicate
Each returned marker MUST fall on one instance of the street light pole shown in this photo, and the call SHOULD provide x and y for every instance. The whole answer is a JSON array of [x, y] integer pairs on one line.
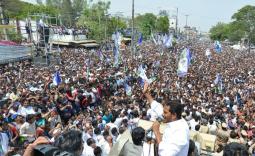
[[132, 37], [105, 26], [176, 22], [187, 19]]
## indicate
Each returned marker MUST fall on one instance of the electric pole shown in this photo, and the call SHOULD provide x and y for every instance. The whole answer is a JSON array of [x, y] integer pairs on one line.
[[186, 20], [186, 26], [132, 37], [176, 22]]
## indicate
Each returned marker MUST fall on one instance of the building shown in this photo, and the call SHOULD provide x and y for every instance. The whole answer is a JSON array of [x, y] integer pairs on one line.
[[172, 23], [190, 32]]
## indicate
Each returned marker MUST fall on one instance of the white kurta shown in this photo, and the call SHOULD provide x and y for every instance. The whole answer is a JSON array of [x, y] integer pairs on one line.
[[175, 140]]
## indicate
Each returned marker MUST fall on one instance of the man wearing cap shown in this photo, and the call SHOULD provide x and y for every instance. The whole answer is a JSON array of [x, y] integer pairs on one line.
[[222, 136]]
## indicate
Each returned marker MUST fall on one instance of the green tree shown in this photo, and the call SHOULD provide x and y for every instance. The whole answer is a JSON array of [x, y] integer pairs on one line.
[[219, 31], [67, 13], [146, 23], [96, 19], [19, 10], [244, 23], [242, 27], [162, 24]]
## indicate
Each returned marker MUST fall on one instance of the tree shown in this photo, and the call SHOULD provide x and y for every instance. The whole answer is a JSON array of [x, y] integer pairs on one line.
[[219, 31], [162, 24], [242, 27], [146, 23], [96, 19], [18, 10], [244, 21], [67, 13]]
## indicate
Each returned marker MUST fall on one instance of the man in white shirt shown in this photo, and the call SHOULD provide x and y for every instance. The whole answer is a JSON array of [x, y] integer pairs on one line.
[[193, 122], [28, 129], [175, 140], [88, 149], [25, 109], [4, 143]]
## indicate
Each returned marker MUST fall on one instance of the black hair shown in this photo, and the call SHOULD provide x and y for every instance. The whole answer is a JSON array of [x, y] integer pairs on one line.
[[135, 114], [94, 123], [197, 127], [70, 141], [138, 135], [97, 151], [90, 141], [233, 134], [97, 131], [192, 147], [210, 121], [106, 133], [114, 131], [29, 117], [235, 149], [175, 107]]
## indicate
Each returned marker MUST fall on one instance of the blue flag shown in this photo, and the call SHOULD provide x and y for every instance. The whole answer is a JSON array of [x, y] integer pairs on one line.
[[128, 89], [116, 56], [140, 40], [217, 79], [168, 41], [218, 48], [100, 55], [57, 79], [184, 63]]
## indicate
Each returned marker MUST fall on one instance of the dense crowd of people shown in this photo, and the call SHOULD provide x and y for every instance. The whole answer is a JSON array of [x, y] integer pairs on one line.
[[89, 111]]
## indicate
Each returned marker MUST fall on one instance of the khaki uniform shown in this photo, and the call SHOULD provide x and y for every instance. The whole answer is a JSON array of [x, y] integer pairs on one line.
[[204, 129], [230, 140], [222, 138]]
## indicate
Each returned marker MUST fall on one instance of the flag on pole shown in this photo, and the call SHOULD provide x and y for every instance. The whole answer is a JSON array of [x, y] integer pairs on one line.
[[117, 42], [218, 48], [184, 62], [87, 72], [153, 38], [117, 39], [140, 40], [218, 79], [142, 73], [116, 56], [159, 39], [128, 89], [57, 79], [168, 42], [164, 39], [99, 54]]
